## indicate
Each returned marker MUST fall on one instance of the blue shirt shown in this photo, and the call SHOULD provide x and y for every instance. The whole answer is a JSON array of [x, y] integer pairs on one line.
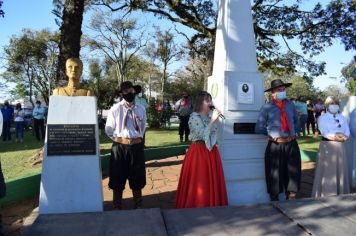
[[7, 113], [269, 123], [301, 107], [38, 113]]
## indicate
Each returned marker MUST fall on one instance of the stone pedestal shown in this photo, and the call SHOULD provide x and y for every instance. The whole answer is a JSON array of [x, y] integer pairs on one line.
[[71, 172], [237, 90], [348, 105]]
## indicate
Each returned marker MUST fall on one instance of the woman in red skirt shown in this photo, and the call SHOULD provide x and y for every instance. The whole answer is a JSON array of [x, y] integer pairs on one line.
[[202, 182]]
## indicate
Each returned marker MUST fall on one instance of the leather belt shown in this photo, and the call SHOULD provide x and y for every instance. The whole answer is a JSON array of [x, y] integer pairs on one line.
[[128, 141], [199, 142], [282, 140]]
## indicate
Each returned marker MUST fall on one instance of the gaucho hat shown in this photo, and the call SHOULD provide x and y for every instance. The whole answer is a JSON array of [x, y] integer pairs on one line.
[[277, 83]]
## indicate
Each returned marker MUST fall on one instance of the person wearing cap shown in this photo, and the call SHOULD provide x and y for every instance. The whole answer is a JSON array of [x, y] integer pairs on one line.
[[125, 125], [331, 174], [184, 108], [8, 115], [38, 114], [278, 119]]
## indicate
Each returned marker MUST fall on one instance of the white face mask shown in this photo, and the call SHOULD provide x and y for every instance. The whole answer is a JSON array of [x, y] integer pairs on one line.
[[140, 95], [333, 108]]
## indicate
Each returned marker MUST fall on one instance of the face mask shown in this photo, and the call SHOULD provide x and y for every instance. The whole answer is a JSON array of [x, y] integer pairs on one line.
[[281, 95], [139, 95], [129, 97], [333, 108]]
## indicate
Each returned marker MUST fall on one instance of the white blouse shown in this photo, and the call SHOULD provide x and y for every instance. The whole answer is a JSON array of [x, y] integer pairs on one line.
[[199, 129], [330, 124]]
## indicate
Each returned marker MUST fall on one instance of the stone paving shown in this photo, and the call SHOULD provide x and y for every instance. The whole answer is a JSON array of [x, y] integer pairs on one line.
[[162, 181]]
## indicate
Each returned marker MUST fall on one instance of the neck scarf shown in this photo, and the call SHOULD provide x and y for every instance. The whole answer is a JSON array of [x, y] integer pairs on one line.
[[285, 126], [130, 112]]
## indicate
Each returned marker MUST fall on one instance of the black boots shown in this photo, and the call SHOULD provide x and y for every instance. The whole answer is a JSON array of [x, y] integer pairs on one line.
[[117, 199], [137, 196]]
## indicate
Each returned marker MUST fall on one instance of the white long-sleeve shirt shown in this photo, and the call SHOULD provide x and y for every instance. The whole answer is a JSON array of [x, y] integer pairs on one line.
[[115, 121], [330, 125]]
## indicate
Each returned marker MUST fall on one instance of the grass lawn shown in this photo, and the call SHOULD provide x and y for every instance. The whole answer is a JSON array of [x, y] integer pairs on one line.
[[17, 158]]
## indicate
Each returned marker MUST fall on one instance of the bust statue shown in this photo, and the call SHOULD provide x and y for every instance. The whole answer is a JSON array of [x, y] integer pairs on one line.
[[74, 69]]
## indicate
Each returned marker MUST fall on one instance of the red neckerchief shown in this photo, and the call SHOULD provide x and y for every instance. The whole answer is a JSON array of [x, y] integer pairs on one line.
[[184, 102], [285, 126]]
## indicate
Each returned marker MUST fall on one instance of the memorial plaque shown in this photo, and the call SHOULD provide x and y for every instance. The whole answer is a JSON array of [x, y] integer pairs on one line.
[[69, 140], [244, 128]]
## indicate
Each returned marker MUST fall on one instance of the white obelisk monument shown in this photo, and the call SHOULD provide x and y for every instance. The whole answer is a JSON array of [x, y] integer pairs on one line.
[[237, 90]]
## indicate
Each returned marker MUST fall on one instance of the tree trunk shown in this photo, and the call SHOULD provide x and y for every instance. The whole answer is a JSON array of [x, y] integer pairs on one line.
[[71, 32]]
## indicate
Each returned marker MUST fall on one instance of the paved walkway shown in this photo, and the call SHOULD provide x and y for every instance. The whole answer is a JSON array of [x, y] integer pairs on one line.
[[322, 216], [162, 181]]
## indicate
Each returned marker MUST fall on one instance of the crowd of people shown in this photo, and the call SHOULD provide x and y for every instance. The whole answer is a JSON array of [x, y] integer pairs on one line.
[[17, 117], [201, 182], [308, 114]]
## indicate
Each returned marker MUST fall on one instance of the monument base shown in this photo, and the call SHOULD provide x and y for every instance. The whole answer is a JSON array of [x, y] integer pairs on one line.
[[348, 104], [71, 172]]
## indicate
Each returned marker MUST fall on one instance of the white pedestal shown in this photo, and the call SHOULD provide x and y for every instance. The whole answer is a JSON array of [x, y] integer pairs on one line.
[[71, 183], [235, 65], [348, 105]]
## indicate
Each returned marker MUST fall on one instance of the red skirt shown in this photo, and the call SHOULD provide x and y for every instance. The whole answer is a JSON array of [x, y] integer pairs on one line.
[[201, 182]]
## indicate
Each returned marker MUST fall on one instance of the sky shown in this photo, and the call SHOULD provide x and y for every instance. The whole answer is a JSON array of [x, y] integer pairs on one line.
[[36, 15]]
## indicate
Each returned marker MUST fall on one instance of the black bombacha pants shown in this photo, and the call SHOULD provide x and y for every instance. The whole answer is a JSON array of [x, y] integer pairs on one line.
[[282, 167], [39, 128], [183, 126], [127, 162]]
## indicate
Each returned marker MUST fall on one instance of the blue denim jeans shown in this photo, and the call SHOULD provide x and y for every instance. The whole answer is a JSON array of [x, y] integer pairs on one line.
[[303, 121], [19, 126]]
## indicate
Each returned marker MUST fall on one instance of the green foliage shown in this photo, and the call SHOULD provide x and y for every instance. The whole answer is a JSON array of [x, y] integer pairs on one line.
[[301, 86], [314, 28], [102, 85], [153, 115], [349, 76], [31, 59], [334, 90], [119, 39]]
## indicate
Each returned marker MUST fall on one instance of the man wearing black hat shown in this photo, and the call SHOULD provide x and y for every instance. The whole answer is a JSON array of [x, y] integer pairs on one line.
[[279, 120], [125, 125]]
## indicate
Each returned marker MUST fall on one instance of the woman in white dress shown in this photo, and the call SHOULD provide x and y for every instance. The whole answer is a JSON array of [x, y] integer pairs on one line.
[[331, 175]]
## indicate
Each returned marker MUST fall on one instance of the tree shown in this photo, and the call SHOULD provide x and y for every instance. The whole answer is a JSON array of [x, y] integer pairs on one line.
[[167, 51], [349, 76], [31, 60], [102, 85], [118, 39], [274, 22], [301, 86], [334, 90], [71, 31], [2, 13]]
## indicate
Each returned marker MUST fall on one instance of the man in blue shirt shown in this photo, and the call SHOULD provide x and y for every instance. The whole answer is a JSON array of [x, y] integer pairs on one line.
[[278, 119], [38, 114], [8, 114]]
